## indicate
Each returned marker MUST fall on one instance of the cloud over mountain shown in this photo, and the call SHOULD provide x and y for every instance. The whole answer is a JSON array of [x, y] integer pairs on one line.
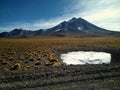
[[103, 13], [75, 27]]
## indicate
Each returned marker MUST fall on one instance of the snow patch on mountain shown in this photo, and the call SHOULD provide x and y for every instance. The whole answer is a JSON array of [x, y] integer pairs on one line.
[[89, 32], [57, 30], [79, 28]]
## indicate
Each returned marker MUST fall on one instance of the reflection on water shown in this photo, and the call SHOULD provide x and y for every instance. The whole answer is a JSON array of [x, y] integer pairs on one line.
[[86, 57]]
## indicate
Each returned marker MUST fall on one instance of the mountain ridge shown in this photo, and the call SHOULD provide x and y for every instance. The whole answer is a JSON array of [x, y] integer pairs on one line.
[[74, 27]]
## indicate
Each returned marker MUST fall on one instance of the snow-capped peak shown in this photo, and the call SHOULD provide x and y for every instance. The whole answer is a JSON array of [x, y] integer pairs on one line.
[[57, 30]]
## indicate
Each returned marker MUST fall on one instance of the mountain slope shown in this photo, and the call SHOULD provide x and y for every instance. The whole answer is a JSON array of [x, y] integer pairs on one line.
[[21, 33], [74, 27], [79, 26]]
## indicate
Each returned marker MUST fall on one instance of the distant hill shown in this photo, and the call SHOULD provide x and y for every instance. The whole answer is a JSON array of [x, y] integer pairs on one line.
[[77, 27]]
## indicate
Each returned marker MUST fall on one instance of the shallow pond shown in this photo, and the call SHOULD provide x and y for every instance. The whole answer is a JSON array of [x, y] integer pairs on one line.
[[86, 57]]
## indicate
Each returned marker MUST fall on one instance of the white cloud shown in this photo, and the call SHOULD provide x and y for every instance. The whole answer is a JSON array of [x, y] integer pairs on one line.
[[47, 23], [5, 29], [41, 24], [103, 13], [16, 25]]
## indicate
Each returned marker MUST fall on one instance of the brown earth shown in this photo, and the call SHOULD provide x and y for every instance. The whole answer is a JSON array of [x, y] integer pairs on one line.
[[34, 64]]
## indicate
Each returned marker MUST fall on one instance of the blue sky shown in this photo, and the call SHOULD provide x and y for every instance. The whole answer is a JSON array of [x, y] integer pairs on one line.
[[43, 14]]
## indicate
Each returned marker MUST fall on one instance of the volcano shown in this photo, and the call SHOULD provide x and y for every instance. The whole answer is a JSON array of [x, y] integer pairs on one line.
[[77, 27]]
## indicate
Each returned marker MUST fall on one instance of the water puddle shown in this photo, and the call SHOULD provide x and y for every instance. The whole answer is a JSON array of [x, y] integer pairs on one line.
[[86, 57]]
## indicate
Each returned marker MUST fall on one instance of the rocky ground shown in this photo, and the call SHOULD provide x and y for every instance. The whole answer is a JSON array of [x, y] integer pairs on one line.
[[36, 65], [78, 77]]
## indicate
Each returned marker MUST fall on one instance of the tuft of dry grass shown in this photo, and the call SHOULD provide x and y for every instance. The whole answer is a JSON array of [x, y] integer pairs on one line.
[[45, 51], [16, 66]]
